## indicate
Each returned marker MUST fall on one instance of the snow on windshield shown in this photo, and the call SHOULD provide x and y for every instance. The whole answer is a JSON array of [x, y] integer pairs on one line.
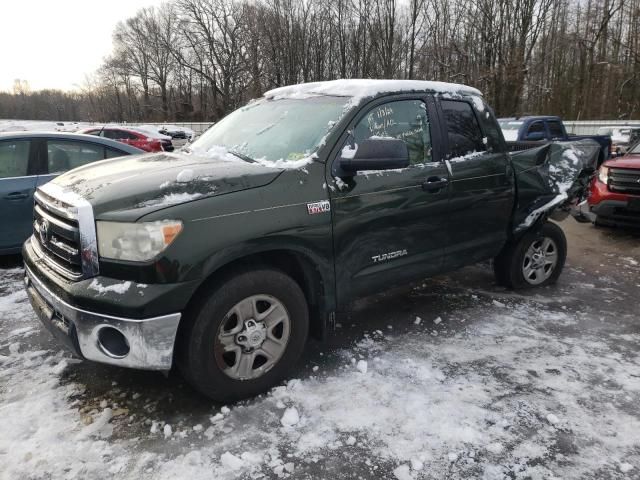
[[281, 133]]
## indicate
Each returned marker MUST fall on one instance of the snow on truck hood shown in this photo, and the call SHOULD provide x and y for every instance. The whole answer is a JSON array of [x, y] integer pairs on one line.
[[145, 183]]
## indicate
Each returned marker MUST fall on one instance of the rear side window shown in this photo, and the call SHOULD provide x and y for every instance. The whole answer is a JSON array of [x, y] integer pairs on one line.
[[119, 135], [405, 120], [555, 129], [14, 158], [536, 127], [463, 129], [63, 155]]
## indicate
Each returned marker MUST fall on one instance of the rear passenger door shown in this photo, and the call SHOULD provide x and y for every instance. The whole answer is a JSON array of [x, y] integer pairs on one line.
[[389, 225], [17, 185], [481, 183]]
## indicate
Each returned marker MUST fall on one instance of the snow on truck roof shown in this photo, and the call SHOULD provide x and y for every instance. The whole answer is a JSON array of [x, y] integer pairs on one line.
[[361, 88]]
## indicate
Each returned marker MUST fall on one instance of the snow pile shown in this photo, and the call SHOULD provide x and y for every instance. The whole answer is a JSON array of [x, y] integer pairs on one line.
[[171, 199], [118, 288], [508, 393]]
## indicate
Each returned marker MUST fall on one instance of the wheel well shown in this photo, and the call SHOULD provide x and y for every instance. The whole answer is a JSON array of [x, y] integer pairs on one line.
[[298, 266]]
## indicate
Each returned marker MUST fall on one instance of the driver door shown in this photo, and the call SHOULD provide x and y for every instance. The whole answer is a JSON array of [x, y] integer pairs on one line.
[[389, 225]]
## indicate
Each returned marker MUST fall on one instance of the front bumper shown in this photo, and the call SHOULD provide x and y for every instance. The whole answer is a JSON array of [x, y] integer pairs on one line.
[[149, 341], [626, 213]]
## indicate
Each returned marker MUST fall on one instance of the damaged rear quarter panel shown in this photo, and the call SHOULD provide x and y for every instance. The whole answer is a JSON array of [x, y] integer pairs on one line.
[[549, 177]]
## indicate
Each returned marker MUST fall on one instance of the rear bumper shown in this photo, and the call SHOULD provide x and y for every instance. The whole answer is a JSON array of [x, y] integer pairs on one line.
[[149, 341]]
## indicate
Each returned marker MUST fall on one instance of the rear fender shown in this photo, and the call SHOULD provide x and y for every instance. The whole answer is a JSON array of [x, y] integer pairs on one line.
[[550, 180]]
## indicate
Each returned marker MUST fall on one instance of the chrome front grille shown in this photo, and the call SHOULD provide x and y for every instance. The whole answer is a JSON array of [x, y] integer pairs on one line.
[[624, 180], [58, 238], [64, 232]]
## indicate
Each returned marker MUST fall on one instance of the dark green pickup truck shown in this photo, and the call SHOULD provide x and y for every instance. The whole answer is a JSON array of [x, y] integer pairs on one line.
[[222, 258]]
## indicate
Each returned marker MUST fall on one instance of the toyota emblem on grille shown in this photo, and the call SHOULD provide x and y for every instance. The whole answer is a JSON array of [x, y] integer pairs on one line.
[[43, 231]]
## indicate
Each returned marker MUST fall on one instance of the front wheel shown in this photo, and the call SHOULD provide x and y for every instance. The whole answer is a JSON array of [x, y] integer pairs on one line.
[[245, 335], [537, 259]]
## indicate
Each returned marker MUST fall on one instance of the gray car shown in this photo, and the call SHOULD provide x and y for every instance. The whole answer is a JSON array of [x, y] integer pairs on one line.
[[29, 159]]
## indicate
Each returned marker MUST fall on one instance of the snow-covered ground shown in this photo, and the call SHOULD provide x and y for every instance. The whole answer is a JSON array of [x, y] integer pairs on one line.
[[451, 378]]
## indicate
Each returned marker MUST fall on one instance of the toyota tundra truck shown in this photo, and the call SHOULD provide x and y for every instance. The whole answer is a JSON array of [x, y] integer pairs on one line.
[[221, 259]]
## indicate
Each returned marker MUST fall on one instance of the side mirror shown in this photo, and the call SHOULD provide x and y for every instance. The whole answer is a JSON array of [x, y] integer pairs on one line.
[[535, 136], [379, 153]]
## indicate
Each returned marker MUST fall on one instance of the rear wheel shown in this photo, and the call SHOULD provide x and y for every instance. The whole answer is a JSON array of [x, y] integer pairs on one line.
[[537, 259], [245, 335]]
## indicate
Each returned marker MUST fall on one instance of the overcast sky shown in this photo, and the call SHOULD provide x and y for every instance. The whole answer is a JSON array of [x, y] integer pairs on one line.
[[55, 43]]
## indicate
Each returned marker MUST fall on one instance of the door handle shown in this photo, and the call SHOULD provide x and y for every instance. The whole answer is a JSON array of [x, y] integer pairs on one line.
[[434, 184], [16, 196]]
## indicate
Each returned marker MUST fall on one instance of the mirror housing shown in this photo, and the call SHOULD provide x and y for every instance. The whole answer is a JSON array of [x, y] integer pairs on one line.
[[377, 154]]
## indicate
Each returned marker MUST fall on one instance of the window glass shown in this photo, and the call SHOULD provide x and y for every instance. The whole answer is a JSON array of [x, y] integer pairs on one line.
[[118, 134], [536, 127], [555, 129], [14, 158], [405, 120], [64, 155], [281, 129], [111, 153], [463, 129]]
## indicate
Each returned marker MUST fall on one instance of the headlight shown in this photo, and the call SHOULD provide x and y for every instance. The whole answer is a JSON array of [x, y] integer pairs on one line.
[[603, 174], [136, 242]]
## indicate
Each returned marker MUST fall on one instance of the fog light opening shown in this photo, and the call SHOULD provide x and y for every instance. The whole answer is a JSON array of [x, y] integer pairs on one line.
[[113, 343]]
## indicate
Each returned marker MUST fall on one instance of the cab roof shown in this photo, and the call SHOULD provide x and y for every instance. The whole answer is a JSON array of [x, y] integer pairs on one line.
[[361, 88]]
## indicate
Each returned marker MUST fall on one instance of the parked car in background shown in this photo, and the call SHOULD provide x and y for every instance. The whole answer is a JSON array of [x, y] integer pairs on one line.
[[621, 138], [614, 197], [142, 138], [522, 133], [180, 136], [28, 160]]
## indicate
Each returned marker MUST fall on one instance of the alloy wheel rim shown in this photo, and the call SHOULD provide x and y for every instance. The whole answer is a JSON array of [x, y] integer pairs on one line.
[[540, 260], [252, 337]]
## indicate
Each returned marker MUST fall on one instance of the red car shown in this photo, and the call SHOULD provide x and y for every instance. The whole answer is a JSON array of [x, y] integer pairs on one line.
[[614, 197], [136, 137]]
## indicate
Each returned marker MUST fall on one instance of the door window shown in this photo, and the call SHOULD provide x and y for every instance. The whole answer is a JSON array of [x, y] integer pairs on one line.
[[64, 155], [463, 130], [536, 128], [118, 135], [555, 129], [14, 158], [405, 120]]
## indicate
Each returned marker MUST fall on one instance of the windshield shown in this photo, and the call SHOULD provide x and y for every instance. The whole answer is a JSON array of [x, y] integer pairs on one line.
[[284, 129], [510, 130], [635, 149], [510, 125]]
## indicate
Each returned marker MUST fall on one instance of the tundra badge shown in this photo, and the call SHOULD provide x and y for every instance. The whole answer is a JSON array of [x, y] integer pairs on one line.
[[388, 256], [319, 207]]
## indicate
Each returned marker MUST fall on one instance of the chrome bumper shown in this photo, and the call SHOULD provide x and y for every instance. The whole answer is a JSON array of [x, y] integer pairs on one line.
[[150, 341]]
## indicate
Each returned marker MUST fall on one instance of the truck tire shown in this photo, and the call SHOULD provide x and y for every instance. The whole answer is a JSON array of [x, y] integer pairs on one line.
[[244, 335], [536, 260]]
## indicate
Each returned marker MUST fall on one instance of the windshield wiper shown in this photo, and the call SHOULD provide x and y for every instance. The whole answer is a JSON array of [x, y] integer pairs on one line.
[[242, 156]]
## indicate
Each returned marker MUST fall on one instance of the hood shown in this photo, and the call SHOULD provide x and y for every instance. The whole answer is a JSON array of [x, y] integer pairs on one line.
[[628, 161], [145, 183]]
